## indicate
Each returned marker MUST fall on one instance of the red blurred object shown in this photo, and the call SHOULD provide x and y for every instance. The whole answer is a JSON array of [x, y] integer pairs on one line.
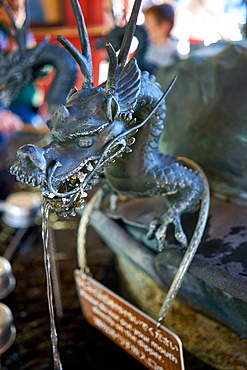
[[93, 14]]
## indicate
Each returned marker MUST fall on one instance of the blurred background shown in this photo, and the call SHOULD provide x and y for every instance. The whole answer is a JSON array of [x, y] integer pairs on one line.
[[196, 22]]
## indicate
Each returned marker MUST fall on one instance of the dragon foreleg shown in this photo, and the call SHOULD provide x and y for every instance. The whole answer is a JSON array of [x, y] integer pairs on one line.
[[173, 216], [193, 245], [188, 189]]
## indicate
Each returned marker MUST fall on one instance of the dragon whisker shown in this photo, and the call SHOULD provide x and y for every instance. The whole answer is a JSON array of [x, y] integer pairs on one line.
[[51, 188], [105, 154]]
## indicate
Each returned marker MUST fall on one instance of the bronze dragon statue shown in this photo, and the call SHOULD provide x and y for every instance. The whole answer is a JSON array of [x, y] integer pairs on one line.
[[93, 132], [22, 66]]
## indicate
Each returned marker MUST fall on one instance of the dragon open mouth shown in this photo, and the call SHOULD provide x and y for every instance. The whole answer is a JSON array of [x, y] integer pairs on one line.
[[70, 193], [64, 191]]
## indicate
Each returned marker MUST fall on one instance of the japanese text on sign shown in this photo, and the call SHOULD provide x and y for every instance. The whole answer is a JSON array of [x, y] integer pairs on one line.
[[131, 329]]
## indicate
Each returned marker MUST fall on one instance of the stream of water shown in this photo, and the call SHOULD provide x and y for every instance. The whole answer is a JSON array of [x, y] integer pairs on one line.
[[47, 263]]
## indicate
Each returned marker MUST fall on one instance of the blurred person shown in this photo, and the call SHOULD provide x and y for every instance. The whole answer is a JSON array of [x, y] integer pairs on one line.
[[162, 49], [198, 22], [9, 121]]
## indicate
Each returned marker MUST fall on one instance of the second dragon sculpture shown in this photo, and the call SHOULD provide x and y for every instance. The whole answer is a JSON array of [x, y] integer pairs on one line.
[[113, 128], [23, 65]]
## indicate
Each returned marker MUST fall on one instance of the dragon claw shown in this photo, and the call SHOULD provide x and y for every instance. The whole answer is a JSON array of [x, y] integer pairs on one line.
[[158, 228], [161, 237], [181, 237], [179, 232], [152, 228]]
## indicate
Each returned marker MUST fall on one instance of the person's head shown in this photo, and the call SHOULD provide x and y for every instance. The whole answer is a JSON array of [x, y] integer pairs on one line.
[[159, 21]]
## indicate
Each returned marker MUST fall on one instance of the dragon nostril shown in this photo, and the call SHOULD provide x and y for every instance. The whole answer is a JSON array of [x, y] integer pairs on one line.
[[26, 150]]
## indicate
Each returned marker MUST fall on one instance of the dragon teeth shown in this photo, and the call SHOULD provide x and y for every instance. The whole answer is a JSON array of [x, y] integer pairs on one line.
[[89, 167], [83, 193], [13, 170], [131, 141], [129, 117], [65, 201]]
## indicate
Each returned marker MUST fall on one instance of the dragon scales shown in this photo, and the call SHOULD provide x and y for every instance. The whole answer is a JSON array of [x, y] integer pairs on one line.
[[92, 133]]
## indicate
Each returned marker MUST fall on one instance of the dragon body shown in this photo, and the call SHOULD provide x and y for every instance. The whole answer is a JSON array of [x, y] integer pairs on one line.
[[113, 128]]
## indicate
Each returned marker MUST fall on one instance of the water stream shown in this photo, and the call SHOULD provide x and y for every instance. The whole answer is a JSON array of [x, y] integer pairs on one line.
[[48, 268]]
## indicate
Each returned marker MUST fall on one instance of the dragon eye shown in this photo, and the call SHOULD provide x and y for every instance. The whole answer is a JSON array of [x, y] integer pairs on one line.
[[85, 142]]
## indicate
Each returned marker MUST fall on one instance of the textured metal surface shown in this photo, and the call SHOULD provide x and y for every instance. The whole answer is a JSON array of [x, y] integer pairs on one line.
[[200, 314], [215, 289], [206, 115], [224, 240]]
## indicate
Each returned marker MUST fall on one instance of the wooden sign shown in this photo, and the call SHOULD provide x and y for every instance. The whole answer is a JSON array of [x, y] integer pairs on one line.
[[128, 327]]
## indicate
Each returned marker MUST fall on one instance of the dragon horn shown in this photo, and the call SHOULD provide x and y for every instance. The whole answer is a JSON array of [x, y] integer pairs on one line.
[[63, 111], [128, 35], [83, 59], [116, 64], [111, 82], [26, 25]]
